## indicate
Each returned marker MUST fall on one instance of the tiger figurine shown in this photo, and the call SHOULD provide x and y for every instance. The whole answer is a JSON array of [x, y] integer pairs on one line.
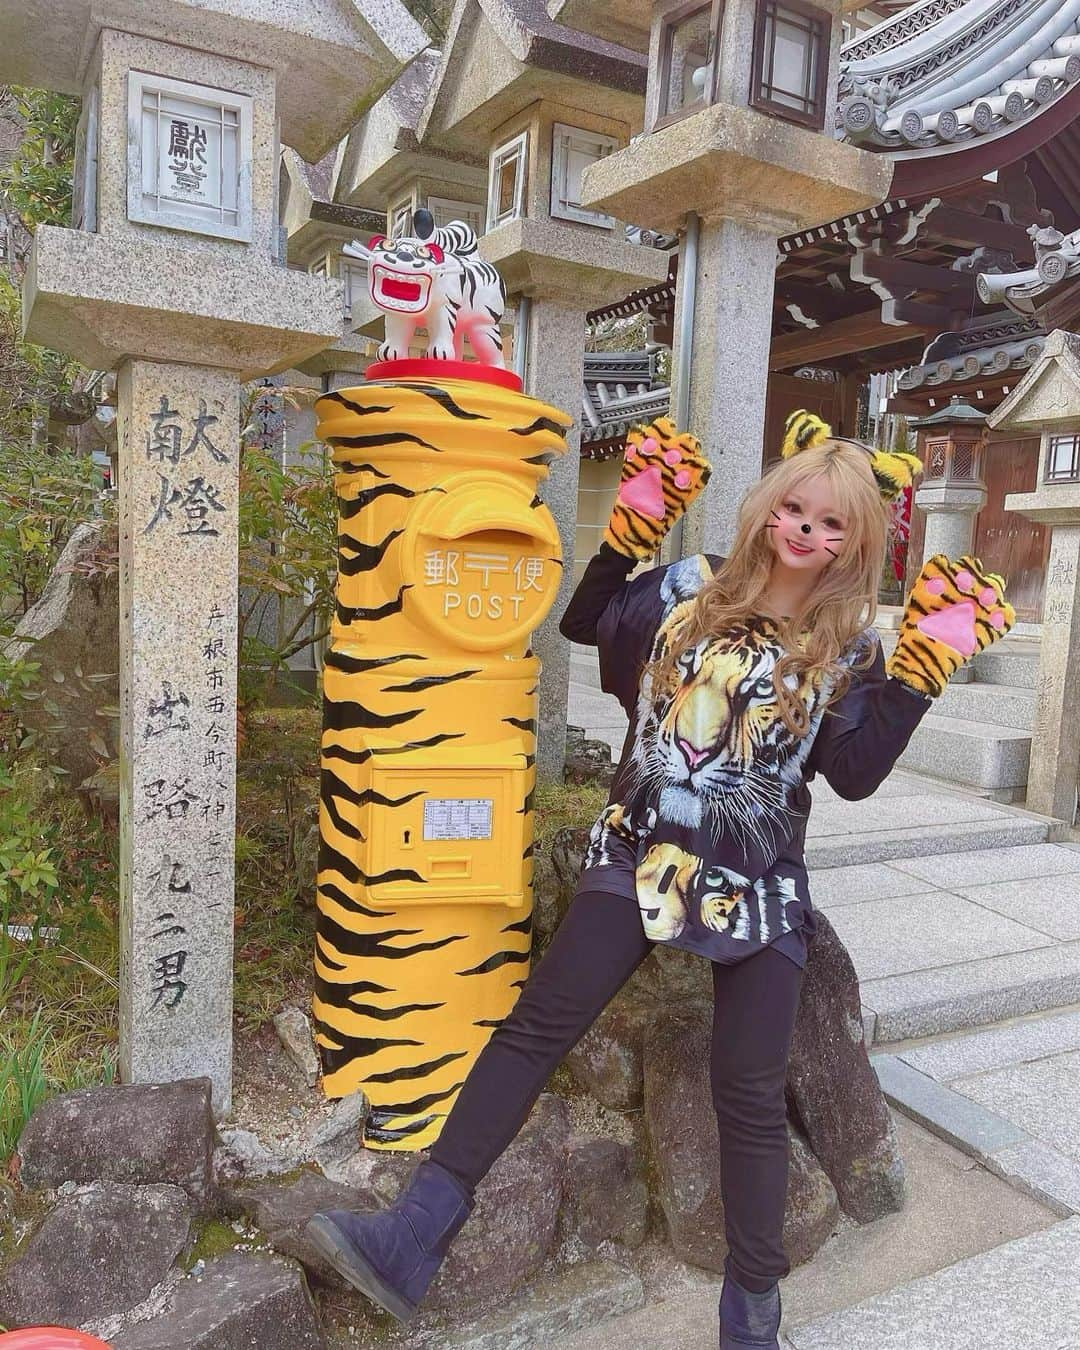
[[662, 472], [955, 610], [435, 279], [714, 743]]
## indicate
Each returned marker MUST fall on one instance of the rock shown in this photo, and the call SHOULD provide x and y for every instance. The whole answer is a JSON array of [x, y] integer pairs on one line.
[[838, 1101], [604, 1197], [567, 854], [138, 1133], [588, 762], [337, 1139], [294, 1032], [606, 1062], [74, 632], [681, 977], [812, 1210], [99, 1251], [513, 1226], [683, 1142], [280, 1211], [243, 1154], [239, 1300], [552, 1309]]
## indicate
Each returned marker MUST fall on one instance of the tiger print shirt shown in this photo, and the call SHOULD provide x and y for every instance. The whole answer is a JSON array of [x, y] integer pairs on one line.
[[705, 825]]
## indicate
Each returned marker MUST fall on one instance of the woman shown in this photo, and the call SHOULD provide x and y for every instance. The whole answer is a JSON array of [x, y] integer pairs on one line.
[[742, 679]]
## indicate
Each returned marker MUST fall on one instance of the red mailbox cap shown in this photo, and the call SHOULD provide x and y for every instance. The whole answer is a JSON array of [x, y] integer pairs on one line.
[[50, 1338]]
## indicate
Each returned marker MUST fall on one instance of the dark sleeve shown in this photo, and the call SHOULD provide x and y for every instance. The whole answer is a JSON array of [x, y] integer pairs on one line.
[[864, 732], [603, 578], [618, 617]]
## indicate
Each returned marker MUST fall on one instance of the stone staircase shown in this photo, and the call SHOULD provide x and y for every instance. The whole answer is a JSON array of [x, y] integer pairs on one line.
[[978, 735]]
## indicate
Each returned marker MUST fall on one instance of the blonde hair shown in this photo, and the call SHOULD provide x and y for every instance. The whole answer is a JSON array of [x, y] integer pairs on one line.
[[844, 601]]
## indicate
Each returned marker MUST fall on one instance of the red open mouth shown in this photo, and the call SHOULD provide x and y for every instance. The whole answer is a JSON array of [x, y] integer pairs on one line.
[[799, 549], [397, 288]]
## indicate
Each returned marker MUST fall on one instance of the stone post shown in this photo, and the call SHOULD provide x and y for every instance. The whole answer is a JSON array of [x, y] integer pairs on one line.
[[950, 517], [951, 492], [555, 362], [179, 488], [732, 334], [1047, 401]]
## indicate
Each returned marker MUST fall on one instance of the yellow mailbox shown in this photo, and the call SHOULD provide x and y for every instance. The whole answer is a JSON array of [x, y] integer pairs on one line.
[[447, 561]]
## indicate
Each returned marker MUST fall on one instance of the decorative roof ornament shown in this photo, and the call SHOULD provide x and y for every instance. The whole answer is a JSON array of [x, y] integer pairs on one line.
[[1057, 259], [435, 279]]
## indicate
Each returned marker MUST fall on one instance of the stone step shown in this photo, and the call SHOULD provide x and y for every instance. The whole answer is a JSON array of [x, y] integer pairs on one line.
[[968, 752], [1010, 662], [995, 705], [1022, 1293], [914, 841]]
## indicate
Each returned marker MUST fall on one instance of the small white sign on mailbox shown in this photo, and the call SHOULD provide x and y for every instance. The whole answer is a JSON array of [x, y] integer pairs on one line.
[[189, 165]]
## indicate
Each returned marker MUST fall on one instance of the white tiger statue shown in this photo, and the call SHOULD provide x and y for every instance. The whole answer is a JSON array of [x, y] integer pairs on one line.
[[435, 279]]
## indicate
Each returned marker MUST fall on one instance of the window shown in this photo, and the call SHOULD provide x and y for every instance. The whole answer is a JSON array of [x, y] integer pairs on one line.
[[1062, 460], [401, 219], [688, 48], [791, 61], [572, 151], [506, 180], [445, 209], [354, 274]]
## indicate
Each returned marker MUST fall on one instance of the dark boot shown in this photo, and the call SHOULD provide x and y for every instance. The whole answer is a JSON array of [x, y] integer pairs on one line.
[[746, 1318], [393, 1255]]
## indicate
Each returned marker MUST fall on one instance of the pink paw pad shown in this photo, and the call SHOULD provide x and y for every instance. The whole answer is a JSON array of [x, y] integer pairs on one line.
[[649, 446], [682, 479], [997, 618], [987, 595], [935, 586], [672, 457], [965, 580]]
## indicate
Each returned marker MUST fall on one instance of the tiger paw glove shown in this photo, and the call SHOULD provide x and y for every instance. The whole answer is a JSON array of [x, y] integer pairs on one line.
[[663, 471], [954, 611]]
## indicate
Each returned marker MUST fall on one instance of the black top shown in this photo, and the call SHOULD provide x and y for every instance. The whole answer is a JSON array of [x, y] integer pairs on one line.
[[706, 821]]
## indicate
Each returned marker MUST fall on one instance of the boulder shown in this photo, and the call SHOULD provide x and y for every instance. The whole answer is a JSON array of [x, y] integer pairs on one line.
[[587, 761], [812, 1210], [685, 1150], [513, 1227], [337, 1139], [280, 1211], [605, 1197], [138, 1133], [683, 1141], [606, 1062], [567, 854], [74, 632], [242, 1154], [837, 1099], [237, 1301], [99, 1251]]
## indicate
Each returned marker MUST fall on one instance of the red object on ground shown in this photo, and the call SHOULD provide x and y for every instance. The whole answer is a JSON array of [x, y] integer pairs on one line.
[[428, 368], [50, 1338]]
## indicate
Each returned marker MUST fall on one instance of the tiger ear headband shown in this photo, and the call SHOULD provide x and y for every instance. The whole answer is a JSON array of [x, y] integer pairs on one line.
[[894, 472]]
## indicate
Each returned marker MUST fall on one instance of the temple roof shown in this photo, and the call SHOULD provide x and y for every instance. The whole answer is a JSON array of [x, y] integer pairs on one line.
[[1030, 289], [981, 356], [944, 78], [620, 388]]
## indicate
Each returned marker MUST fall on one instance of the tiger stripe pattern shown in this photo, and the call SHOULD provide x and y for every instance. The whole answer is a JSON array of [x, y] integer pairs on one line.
[[893, 470], [662, 472], [409, 981], [955, 610]]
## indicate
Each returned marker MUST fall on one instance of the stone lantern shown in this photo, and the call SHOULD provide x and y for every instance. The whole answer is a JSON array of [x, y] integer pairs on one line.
[[1046, 402], [541, 102], [173, 275], [951, 491], [739, 150]]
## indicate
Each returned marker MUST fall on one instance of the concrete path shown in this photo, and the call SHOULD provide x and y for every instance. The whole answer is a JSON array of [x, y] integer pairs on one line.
[[962, 917]]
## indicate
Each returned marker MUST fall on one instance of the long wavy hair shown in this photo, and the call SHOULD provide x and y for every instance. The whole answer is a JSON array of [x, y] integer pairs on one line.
[[843, 603]]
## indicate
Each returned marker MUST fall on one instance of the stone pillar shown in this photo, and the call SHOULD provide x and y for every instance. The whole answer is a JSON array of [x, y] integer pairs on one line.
[[1055, 742], [556, 362], [950, 517], [179, 478], [730, 353]]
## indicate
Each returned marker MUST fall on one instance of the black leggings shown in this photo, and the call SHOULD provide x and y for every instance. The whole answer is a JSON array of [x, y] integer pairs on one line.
[[596, 949]]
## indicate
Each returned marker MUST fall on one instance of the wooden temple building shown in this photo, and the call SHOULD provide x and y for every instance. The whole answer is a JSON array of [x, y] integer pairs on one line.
[[950, 286]]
